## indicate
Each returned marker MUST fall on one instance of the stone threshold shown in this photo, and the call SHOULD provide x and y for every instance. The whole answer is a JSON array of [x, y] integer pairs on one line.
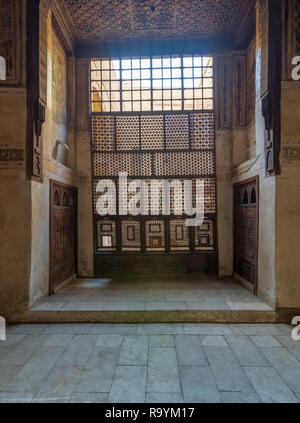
[[150, 316]]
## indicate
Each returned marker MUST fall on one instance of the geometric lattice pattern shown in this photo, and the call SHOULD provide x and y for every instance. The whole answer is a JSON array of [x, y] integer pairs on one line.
[[155, 147]]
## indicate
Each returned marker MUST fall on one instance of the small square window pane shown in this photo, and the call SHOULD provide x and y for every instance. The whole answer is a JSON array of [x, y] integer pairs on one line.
[[188, 83], [106, 106], [126, 74], [127, 106], [146, 106], [188, 94], [157, 94], [198, 93], [208, 72], [176, 105], [176, 62], [188, 104], [96, 107], [176, 73], [198, 82], [207, 61], [126, 85], [198, 104], [188, 61], [95, 64], [136, 74], [166, 62], [105, 75], [207, 82], [115, 106], [176, 83], [96, 76], [146, 95], [106, 95], [115, 85], [188, 73], [105, 64], [156, 62], [126, 95], [207, 93], [157, 105], [115, 75], [167, 105], [167, 83], [115, 64], [145, 63], [145, 84], [136, 106], [167, 94], [115, 95], [136, 64], [136, 85], [176, 94], [167, 73], [145, 74], [136, 95], [197, 60], [208, 104], [157, 73], [126, 63], [198, 73], [157, 83]]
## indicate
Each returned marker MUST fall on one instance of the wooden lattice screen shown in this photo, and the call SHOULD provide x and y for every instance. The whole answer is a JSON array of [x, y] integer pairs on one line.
[[147, 146]]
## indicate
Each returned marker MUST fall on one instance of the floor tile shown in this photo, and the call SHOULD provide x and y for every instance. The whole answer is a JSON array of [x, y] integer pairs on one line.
[[286, 366], [206, 329], [78, 351], [269, 385], [246, 351], [91, 398], [213, 341], [240, 397], [134, 351], [161, 341], [160, 329], [163, 398], [163, 375], [265, 341], [227, 371], [113, 329], [190, 351], [198, 385], [129, 385]]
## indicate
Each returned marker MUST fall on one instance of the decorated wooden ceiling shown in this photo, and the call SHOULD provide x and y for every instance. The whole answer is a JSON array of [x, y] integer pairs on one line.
[[108, 20]]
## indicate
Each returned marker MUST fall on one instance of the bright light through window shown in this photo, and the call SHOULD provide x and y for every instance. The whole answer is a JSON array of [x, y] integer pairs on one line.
[[158, 83]]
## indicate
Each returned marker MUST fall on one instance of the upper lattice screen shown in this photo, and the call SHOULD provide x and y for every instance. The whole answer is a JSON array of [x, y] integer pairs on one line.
[[145, 84]]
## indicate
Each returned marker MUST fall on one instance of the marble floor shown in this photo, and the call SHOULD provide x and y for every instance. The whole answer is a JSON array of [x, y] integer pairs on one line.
[[156, 363], [190, 292]]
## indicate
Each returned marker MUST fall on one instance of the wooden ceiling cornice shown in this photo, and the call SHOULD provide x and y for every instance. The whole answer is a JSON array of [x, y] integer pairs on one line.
[[119, 20]]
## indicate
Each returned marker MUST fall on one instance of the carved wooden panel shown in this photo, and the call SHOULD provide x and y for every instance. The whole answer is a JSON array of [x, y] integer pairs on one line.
[[11, 156], [251, 89], [246, 230], [63, 200], [224, 66], [10, 26], [239, 90]]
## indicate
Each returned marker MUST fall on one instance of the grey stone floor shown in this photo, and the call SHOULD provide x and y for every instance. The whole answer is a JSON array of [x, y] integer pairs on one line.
[[150, 363], [190, 292]]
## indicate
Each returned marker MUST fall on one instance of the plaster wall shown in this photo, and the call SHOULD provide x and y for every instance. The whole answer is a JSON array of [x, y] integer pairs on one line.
[[288, 200]]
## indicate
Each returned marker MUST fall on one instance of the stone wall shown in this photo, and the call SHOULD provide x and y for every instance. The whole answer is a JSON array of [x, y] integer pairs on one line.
[[15, 189], [58, 161]]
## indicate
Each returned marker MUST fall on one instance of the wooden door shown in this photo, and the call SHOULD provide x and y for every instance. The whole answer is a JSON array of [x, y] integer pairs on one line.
[[246, 230], [63, 239]]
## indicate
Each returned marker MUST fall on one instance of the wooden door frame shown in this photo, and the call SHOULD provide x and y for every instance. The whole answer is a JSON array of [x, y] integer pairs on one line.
[[235, 185], [51, 192]]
